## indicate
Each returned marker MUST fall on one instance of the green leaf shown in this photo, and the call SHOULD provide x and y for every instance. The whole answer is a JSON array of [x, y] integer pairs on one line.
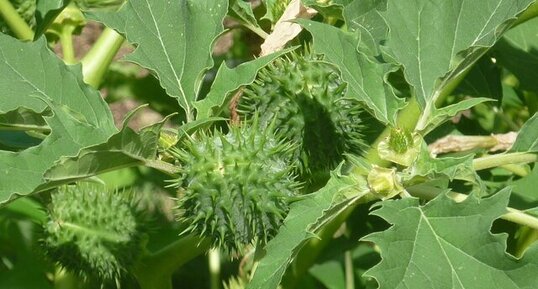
[[517, 52], [46, 12], [527, 138], [34, 78], [452, 167], [443, 114], [363, 17], [271, 8], [304, 218], [23, 119], [525, 190], [330, 274], [228, 80], [364, 75], [436, 41], [243, 10], [173, 39], [328, 8], [483, 80], [124, 149], [445, 244]]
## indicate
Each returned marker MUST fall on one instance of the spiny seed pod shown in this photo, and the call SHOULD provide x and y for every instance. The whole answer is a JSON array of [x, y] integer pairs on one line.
[[93, 232], [235, 188], [305, 96]]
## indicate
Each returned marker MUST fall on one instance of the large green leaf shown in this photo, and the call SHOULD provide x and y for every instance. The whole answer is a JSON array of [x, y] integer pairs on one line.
[[365, 76], [304, 218], [517, 52], [445, 244], [451, 167], [174, 39], [527, 138], [46, 11], [124, 149], [436, 41], [230, 79], [34, 78]]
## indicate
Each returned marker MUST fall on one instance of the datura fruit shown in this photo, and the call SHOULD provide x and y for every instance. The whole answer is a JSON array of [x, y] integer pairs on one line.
[[235, 187], [305, 97]]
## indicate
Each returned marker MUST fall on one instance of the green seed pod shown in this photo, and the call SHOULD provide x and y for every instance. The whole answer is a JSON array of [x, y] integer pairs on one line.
[[305, 97], [93, 233], [235, 187]]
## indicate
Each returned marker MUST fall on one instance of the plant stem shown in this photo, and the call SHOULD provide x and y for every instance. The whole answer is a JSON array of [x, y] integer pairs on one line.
[[522, 218], [66, 40], [155, 270], [162, 166], [516, 169], [350, 275], [96, 62], [503, 159], [214, 268], [20, 28]]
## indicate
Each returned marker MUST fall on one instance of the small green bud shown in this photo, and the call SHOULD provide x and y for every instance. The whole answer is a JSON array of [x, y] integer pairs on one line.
[[384, 182], [400, 147]]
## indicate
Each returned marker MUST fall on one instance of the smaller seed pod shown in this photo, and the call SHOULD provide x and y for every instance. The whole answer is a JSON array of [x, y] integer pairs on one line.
[[235, 188], [93, 232]]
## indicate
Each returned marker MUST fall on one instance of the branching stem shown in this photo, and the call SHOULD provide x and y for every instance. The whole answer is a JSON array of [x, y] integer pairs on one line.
[[493, 161], [20, 28]]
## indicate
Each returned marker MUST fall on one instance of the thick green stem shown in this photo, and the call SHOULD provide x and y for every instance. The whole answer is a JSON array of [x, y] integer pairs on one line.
[[96, 62], [519, 170], [503, 159], [20, 28], [214, 268], [155, 270], [350, 274], [66, 40]]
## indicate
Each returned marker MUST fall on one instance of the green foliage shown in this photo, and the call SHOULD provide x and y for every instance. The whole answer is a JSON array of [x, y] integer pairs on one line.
[[273, 161], [455, 235], [93, 232]]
